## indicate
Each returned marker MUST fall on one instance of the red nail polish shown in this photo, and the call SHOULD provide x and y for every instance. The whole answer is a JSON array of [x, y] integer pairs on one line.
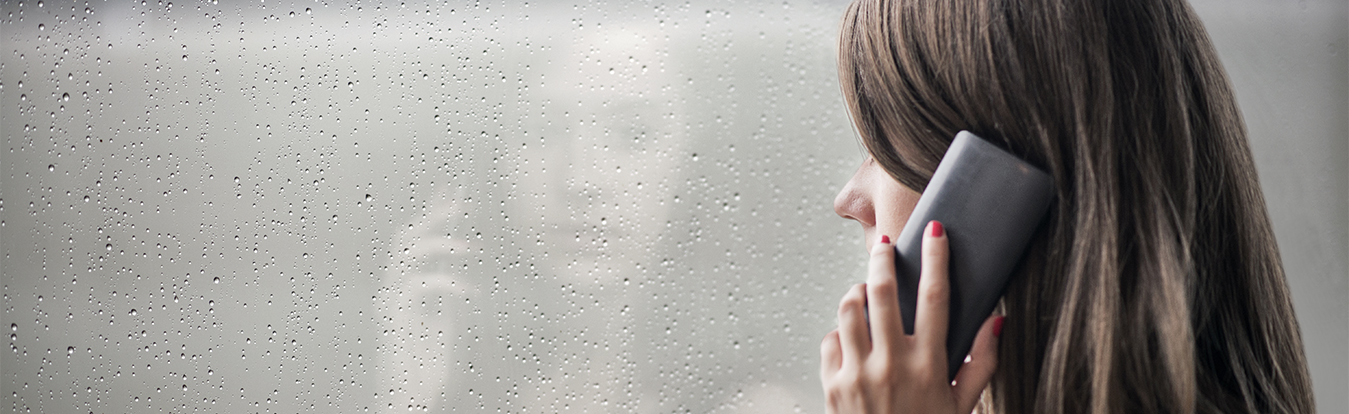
[[936, 229], [997, 326], [885, 239]]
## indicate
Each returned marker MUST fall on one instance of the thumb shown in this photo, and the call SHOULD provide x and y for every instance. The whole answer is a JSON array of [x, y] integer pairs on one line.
[[974, 376]]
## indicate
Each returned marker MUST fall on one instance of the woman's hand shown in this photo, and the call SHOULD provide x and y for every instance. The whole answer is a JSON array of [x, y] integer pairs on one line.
[[879, 369]]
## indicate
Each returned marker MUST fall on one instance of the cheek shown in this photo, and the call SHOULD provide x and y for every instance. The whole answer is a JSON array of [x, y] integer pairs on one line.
[[894, 207]]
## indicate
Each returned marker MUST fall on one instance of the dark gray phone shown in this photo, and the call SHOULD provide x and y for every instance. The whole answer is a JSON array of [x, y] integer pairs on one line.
[[990, 203]]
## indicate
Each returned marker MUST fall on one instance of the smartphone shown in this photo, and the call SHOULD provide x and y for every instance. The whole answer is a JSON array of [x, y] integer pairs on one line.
[[990, 203]]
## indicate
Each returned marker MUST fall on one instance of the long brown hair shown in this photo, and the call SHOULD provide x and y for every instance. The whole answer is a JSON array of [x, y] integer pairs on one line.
[[1155, 284]]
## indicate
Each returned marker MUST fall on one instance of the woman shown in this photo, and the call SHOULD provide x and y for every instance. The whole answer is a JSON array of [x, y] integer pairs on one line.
[[1154, 284]]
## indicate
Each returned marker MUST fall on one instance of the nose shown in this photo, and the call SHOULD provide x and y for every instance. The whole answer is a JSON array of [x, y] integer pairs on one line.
[[853, 202]]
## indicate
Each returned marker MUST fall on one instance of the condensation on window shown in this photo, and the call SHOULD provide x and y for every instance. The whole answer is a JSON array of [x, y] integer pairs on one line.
[[430, 207]]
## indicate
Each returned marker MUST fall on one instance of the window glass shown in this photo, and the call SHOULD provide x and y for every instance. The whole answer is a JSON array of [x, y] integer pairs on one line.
[[388, 206]]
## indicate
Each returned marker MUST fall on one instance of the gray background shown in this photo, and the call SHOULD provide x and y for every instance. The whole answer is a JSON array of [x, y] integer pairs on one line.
[[1287, 62], [517, 207]]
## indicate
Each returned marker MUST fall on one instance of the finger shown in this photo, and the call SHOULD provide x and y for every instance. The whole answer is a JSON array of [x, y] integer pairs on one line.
[[883, 298], [929, 324], [831, 356], [974, 375], [852, 326]]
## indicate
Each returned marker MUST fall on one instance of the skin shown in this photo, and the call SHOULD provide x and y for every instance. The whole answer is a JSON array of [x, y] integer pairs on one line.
[[871, 366]]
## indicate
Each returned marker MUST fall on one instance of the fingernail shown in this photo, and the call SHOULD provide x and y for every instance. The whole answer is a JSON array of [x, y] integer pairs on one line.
[[885, 239], [997, 326], [936, 228]]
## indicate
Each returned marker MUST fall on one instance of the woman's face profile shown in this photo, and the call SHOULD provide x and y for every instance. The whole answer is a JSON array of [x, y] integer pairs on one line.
[[877, 201]]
